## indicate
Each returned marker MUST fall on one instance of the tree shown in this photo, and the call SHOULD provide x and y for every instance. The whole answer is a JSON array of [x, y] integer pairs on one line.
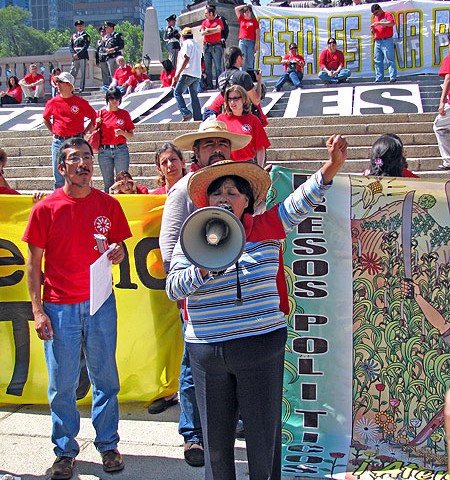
[[134, 40]]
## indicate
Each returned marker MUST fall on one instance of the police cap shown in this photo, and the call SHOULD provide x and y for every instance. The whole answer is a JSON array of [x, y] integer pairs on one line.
[[172, 17], [78, 22], [109, 24]]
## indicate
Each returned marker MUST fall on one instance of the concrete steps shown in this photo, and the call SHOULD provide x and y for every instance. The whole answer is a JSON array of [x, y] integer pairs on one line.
[[296, 143]]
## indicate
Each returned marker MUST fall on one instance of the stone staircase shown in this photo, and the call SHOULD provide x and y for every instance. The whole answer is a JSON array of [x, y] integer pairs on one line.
[[296, 143]]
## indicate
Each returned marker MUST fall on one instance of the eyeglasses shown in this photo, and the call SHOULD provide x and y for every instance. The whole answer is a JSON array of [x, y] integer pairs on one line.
[[234, 99], [331, 43], [77, 159], [59, 81]]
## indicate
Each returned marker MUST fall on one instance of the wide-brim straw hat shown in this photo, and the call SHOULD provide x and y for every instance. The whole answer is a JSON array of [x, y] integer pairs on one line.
[[212, 128], [255, 175], [139, 65]]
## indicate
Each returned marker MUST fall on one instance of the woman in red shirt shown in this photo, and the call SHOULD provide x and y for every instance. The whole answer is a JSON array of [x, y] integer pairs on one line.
[[167, 74], [13, 94], [116, 127], [236, 115], [170, 164], [248, 35], [138, 81]]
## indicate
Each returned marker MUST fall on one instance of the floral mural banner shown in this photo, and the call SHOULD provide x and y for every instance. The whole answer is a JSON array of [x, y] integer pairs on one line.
[[420, 36], [367, 358]]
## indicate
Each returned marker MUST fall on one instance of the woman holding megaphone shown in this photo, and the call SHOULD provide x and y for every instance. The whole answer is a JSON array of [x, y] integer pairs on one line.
[[236, 332]]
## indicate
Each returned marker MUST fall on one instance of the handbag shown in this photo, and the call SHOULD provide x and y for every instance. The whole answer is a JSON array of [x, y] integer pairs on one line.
[[95, 137]]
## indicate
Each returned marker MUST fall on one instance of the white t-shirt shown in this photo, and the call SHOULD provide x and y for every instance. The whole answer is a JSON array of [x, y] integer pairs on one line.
[[191, 49]]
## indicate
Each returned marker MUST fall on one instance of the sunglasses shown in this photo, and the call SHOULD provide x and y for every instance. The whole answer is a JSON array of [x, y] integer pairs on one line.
[[234, 99], [331, 43]]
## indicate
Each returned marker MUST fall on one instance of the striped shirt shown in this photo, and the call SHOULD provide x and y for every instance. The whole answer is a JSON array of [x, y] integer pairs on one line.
[[213, 315]]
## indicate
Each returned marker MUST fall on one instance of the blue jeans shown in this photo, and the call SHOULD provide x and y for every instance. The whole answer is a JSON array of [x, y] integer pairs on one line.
[[186, 81], [212, 53], [248, 49], [384, 49], [340, 77], [189, 425], [73, 328], [58, 178], [112, 159], [294, 77]]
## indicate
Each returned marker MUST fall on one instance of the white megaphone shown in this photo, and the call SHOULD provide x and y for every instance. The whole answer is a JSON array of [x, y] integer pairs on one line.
[[212, 238]]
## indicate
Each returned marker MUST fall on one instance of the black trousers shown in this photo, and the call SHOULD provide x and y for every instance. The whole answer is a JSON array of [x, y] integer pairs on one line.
[[243, 375]]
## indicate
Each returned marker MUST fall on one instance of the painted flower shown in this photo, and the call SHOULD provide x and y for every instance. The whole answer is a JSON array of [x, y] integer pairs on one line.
[[394, 402], [415, 422], [366, 429], [380, 387], [382, 418], [371, 263], [389, 427], [379, 162], [371, 368], [337, 455], [402, 439]]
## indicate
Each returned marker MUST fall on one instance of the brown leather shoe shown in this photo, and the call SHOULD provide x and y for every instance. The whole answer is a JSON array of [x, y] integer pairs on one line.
[[194, 454], [112, 461], [62, 468]]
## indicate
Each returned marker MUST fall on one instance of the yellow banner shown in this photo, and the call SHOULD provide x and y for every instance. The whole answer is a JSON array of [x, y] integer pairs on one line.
[[149, 345]]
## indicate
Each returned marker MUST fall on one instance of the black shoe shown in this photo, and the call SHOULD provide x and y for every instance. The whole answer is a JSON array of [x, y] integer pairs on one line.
[[34, 100], [194, 454], [379, 81], [160, 405], [392, 80], [29, 100], [62, 468], [444, 167]]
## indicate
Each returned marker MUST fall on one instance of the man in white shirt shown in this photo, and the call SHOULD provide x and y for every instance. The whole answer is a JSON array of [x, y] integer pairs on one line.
[[188, 74]]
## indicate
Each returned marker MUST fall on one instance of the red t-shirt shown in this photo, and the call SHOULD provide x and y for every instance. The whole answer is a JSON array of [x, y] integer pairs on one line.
[[383, 32], [122, 74], [30, 79], [8, 191], [249, 125], [445, 70], [64, 227], [159, 191], [135, 79], [166, 78], [68, 114], [140, 189], [112, 121], [330, 60], [16, 92], [215, 37], [298, 58], [247, 28]]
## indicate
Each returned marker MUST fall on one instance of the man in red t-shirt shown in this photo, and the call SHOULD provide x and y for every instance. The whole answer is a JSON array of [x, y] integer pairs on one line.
[[442, 121], [331, 62], [63, 226], [33, 85], [121, 76], [382, 29], [293, 69], [212, 44], [64, 116]]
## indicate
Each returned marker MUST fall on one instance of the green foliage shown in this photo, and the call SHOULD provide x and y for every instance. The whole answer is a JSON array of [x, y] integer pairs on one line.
[[58, 38], [134, 40]]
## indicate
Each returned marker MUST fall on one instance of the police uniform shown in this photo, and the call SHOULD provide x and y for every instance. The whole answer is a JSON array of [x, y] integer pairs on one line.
[[101, 57], [113, 40], [172, 37], [79, 44]]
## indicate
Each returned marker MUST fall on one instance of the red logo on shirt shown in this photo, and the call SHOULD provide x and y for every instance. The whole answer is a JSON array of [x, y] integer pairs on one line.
[[102, 225], [120, 122], [247, 128], [74, 109]]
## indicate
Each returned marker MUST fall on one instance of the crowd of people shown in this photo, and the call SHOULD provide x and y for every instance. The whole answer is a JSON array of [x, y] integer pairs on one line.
[[227, 334]]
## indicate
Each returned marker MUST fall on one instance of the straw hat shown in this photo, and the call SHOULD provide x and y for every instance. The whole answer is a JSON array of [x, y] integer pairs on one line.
[[212, 128], [65, 77], [139, 65], [187, 32], [256, 176]]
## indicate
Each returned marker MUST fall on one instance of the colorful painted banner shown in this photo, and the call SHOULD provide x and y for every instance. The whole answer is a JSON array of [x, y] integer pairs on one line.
[[420, 36], [367, 357], [374, 260]]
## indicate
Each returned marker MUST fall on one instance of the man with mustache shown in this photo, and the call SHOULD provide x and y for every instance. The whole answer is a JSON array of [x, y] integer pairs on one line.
[[212, 143], [63, 226]]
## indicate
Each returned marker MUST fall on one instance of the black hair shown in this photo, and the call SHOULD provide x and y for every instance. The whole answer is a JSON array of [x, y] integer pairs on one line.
[[230, 56], [16, 80], [167, 65], [71, 142], [241, 184], [374, 7], [113, 92], [211, 8], [386, 158]]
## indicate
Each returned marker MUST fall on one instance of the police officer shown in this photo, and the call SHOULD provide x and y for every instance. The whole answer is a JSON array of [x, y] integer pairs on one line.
[[101, 56], [114, 44], [79, 44], [172, 37]]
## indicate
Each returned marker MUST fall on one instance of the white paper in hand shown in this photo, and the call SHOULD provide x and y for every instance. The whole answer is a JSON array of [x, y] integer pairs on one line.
[[100, 281]]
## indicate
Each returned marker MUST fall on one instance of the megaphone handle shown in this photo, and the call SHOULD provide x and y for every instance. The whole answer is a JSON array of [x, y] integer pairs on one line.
[[238, 287]]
